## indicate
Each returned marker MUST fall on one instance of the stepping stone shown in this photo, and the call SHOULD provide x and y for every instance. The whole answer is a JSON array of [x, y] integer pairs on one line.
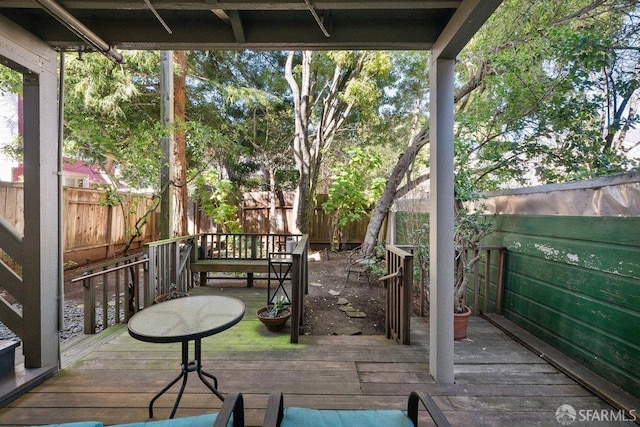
[[342, 301], [317, 285], [334, 293], [356, 314], [346, 308], [347, 331]]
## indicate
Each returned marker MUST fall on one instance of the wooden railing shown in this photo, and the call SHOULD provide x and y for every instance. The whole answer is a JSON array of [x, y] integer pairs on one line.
[[241, 245], [169, 263], [485, 279], [11, 262], [399, 294], [299, 285], [114, 287]]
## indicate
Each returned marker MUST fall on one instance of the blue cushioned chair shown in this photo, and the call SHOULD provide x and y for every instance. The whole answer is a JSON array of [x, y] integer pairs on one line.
[[231, 415], [278, 416]]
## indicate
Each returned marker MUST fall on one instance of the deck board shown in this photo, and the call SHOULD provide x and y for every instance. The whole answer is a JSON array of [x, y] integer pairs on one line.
[[112, 377]]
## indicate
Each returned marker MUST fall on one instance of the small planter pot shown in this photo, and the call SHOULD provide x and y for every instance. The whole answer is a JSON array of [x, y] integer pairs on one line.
[[163, 297], [274, 324], [460, 323]]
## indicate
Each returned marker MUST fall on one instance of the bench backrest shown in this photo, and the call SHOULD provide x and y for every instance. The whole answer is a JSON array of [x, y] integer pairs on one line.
[[241, 246]]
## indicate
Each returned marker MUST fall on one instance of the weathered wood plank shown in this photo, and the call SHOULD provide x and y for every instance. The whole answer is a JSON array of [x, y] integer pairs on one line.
[[114, 382], [607, 391], [231, 266]]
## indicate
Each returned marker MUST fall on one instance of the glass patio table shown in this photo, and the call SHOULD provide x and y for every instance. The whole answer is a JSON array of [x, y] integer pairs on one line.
[[183, 320]]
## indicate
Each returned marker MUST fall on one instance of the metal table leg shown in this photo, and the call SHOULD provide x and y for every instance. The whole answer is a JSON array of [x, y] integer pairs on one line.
[[188, 366]]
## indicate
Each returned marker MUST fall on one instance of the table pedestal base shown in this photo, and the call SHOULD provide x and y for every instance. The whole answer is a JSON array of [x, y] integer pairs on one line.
[[188, 366]]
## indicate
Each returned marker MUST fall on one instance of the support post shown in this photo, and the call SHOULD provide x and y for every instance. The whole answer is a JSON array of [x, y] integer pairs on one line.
[[441, 220], [166, 169]]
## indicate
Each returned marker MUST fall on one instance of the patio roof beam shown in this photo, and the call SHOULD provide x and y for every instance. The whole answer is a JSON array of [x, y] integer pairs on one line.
[[250, 5], [80, 30]]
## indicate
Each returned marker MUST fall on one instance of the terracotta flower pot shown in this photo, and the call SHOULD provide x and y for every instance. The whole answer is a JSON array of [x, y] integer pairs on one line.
[[273, 324], [460, 322], [163, 297]]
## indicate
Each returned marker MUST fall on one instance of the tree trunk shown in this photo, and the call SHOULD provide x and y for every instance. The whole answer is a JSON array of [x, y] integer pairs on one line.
[[302, 154], [309, 149], [273, 214], [181, 214], [388, 196]]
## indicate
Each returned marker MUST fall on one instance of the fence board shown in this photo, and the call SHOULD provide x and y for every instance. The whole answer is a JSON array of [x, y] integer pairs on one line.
[[575, 282], [91, 231], [12, 205], [97, 232]]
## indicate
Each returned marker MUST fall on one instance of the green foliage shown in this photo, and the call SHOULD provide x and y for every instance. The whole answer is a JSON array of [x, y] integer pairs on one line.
[[10, 80], [470, 228], [355, 187], [14, 150], [215, 198], [111, 117], [554, 81], [277, 309]]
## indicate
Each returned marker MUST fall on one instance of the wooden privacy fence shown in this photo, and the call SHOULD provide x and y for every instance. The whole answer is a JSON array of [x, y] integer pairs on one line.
[[96, 231], [488, 278], [255, 218], [92, 229], [572, 280], [399, 294]]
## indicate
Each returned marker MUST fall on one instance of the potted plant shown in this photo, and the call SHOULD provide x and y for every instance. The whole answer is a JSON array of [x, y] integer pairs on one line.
[[471, 228], [274, 316], [172, 294]]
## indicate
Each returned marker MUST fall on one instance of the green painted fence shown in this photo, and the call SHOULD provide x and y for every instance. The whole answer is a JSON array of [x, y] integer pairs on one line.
[[575, 282]]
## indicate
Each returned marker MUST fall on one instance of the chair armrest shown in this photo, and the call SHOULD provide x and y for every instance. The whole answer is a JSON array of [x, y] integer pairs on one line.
[[430, 405], [275, 410], [233, 404]]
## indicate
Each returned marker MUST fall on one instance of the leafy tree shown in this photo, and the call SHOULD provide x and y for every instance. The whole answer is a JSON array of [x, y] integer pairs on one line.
[[329, 90], [356, 184], [111, 120], [543, 87], [10, 80], [215, 197]]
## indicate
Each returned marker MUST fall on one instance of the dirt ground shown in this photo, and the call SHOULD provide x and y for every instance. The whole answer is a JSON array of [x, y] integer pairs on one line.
[[327, 273], [327, 294]]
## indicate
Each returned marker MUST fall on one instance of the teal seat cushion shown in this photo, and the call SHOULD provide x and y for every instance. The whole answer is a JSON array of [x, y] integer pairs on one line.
[[195, 421], [300, 417]]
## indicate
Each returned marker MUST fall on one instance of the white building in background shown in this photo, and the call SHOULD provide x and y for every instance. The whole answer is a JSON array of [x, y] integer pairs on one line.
[[9, 122]]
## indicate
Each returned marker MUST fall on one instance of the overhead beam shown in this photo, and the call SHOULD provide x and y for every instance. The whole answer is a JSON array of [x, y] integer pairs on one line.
[[463, 25], [247, 31], [237, 27], [247, 5]]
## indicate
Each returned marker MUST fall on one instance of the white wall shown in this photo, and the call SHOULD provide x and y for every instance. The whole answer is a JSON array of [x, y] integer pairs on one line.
[[8, 130]]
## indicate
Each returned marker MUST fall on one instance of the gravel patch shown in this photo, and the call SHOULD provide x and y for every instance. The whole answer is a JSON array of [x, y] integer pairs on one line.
[[73, 321]]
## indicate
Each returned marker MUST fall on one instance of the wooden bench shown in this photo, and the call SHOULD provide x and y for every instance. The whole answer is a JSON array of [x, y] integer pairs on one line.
[[237, 253], [248, 266]]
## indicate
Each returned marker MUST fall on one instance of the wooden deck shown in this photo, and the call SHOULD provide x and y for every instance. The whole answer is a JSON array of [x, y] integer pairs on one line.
[[498, 382]]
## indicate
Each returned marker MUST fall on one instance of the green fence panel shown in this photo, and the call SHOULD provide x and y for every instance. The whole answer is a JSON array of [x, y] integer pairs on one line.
[[575, 282]]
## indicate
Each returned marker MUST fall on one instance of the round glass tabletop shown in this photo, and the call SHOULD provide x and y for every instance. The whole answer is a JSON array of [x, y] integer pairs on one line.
[[186, 318]]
